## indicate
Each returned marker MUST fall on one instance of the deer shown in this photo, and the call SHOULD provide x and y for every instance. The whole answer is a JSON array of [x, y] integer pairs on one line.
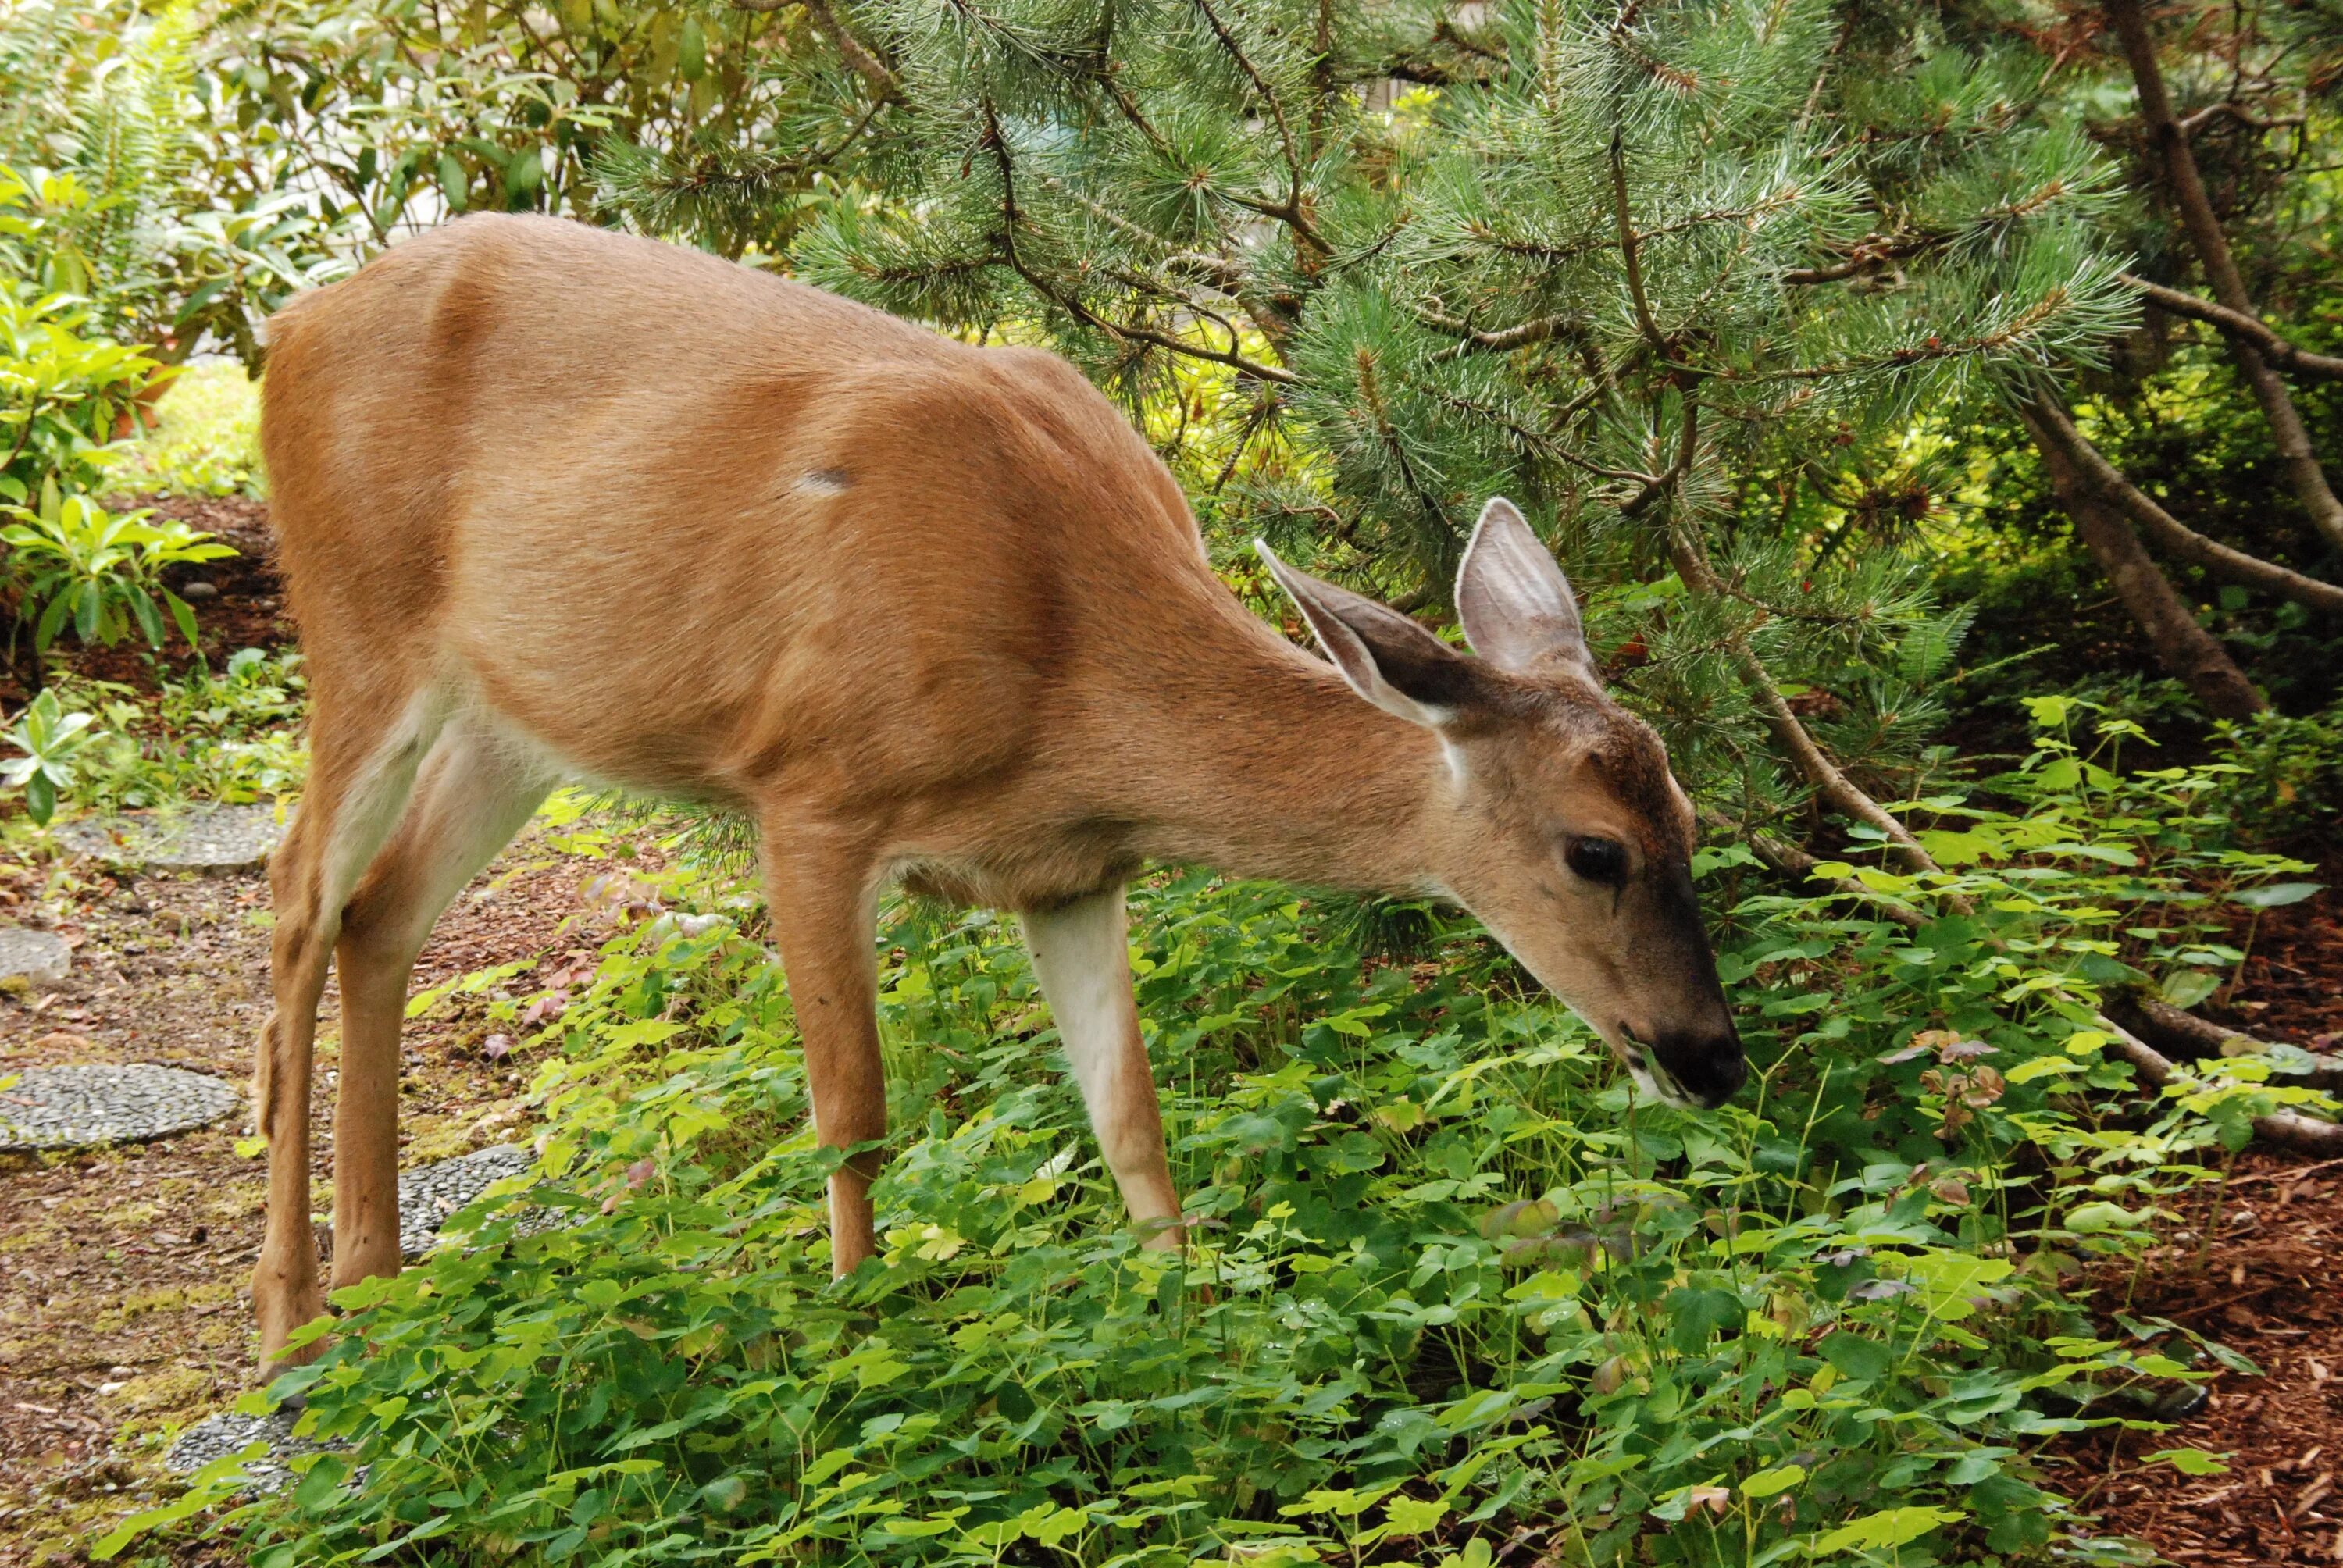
[[554, 503]]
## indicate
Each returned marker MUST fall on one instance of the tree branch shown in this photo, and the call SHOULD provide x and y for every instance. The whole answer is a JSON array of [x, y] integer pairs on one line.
[[2212, 247], [2187, 650], [2278, 350], [2176, 536]]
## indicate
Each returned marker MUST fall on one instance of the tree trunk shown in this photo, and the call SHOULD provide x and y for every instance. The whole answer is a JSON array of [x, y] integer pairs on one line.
[[2187, 650], [2212, 247]]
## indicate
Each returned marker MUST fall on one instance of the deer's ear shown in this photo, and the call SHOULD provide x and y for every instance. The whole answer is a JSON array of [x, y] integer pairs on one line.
[[1516, 606], [1387, 660]]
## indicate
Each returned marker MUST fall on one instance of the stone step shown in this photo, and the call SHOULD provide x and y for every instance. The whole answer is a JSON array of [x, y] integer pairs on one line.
[[89, 1106]]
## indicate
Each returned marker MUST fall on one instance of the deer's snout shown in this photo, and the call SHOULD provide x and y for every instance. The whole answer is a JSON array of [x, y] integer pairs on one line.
[[1704, 1061]]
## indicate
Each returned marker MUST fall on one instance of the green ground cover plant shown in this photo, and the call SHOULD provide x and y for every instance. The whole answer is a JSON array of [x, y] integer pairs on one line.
[[225, 735], [1448, 1290]]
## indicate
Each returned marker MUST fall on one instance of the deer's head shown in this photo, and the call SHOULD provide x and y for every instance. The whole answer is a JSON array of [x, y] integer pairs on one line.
[[1560, 824]]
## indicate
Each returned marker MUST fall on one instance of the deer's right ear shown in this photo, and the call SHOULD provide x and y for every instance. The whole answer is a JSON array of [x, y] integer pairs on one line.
[[1387, 658]]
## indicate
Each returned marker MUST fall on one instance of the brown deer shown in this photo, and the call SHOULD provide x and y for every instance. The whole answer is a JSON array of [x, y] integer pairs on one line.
[[559, 503]]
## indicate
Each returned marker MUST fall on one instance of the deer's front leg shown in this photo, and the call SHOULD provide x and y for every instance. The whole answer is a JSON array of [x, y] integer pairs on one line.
[[1082, 954], [825, 918]]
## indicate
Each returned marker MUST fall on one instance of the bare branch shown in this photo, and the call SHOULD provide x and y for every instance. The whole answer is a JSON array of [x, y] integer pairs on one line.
[[2176, 536], [850, 49], [2277, 350], [2212, 247], [2191, 123], [2287, 1128]]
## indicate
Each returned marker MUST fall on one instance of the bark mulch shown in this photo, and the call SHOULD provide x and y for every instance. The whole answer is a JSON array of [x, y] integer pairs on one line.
[[2259, 1267], [2256, 1264]]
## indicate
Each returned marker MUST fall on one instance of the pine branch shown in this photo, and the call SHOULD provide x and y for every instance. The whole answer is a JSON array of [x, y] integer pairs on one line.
[[1790, 733], [1629, 251], [2279, 350], [1012, 220], [1291, 212]]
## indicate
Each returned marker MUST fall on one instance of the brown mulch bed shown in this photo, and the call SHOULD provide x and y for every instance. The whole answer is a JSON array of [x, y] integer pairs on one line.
[[2257, 1266]]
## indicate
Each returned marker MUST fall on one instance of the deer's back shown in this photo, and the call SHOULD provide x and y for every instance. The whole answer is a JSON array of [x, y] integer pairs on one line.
[[688, 526]]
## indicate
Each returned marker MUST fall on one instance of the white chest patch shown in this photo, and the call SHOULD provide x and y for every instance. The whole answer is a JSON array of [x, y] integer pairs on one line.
[[821, 482]]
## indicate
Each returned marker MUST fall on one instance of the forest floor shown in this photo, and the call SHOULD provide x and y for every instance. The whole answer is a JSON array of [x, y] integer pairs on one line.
[[124, 1314]]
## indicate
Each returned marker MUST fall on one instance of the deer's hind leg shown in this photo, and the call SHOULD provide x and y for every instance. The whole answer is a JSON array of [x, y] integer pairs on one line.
[[475, 790], [365, 746]]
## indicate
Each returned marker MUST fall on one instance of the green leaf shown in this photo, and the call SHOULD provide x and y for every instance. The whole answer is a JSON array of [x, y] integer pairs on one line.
[[1766, 1483], [454, 184], [2188, 987], [1883, 1532], [1855, 1356], [2277, 895], [2190, 1461], [183, 615]]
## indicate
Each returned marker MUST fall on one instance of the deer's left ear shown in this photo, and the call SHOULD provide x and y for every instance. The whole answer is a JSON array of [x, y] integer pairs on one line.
[[1516, 606], [1386, 657]]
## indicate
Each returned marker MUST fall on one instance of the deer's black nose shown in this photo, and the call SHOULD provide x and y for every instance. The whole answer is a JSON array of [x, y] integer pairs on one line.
[[1709, 1066]]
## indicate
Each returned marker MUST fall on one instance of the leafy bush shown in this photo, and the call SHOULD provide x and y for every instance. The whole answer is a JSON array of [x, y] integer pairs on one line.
[[2292, 786], [101, 572], [1448, 1287], [62, 391], [49, 742], [224, 736]]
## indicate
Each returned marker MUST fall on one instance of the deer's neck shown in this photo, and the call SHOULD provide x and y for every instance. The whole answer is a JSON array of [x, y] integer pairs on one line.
[[1256, 760]]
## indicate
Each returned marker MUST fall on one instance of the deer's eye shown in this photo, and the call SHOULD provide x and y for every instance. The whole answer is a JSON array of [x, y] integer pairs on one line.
[[1600, 860]]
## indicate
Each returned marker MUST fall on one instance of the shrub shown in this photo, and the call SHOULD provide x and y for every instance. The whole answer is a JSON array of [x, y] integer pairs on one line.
[[226, 736], [62, 391], [98, 571]]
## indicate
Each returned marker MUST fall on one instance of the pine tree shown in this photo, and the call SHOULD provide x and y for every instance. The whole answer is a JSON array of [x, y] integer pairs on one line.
[[1693, 281]]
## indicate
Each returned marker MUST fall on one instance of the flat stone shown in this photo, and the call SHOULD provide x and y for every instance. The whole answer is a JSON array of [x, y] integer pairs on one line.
[[428, 1194], [230, 1433], [208, 838], [40, 957], [86, 1106]]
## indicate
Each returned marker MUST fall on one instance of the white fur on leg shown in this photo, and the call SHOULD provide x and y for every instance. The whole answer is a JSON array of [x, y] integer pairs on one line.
[[1083, 956]]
